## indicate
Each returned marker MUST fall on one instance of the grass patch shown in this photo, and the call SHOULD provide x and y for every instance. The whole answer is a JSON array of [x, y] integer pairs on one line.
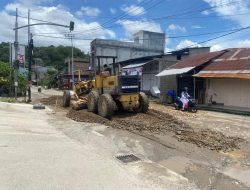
[[9, 100]]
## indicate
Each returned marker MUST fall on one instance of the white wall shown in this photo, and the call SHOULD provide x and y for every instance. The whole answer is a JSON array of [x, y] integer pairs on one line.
[[231, 92], [149, 80]]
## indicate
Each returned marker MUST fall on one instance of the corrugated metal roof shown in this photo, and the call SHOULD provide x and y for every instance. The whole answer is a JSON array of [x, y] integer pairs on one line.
[[139, 64], [223, 75], [196, 60], [234, 63], [174, 71], [134, 65], [233, 59], [236, 53]]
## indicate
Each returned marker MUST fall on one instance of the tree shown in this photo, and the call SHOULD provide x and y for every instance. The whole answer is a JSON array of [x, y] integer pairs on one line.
[[22, 83], [7, 80], [49, 79], [50, 56], [4, 52]]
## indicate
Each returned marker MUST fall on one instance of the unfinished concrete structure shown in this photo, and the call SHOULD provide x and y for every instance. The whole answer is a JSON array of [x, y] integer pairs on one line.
[[145, 44]]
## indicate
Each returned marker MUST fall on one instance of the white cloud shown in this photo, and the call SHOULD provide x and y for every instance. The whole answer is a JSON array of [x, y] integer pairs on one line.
[[175, 27], [112, 10], [167, 50], [34, 2], [231, 44], [56, 14], [228, 7], [131, 27], [216, 47], [88, 11], [133, 10], [244, 43], [197, 27], [206, 12], [186, 43]]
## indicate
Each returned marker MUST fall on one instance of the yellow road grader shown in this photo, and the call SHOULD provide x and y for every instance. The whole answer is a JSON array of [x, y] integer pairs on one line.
[[107, 93]]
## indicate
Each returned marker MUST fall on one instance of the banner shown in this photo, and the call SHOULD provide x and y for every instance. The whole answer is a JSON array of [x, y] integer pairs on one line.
[[20, 55], [132, 71]]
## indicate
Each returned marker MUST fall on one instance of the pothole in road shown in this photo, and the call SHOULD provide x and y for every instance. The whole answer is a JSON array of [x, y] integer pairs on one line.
[[128, 158]]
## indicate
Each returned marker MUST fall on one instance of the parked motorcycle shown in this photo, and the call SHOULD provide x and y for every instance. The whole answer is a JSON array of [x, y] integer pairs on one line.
[[191, 106]]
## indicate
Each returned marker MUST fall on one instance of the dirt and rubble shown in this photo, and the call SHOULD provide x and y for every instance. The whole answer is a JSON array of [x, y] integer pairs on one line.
[[52, 101], [156, 122]]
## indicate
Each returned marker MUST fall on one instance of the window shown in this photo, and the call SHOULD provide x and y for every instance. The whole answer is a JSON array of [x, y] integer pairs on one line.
[[178, 57]]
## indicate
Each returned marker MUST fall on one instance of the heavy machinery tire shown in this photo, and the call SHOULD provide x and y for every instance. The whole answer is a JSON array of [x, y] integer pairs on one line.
[[106, 106], [92, 101], [144, 103], [66, 98]]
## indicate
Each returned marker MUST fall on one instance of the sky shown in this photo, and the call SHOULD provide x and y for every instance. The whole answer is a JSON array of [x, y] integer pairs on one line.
[[185, 22]]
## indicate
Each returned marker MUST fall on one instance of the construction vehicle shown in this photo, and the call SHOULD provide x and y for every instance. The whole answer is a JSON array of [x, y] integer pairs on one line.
[[110, 92]]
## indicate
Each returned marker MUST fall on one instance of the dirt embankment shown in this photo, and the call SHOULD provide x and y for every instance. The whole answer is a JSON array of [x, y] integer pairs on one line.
[[52, 101], [155, 122]]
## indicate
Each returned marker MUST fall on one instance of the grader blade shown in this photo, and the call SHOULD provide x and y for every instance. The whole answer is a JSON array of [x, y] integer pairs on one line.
[[79, 104]]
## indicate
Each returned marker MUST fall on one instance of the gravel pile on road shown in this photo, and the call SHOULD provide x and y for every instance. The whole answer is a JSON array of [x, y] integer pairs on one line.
[[155, 122], [209, 139]]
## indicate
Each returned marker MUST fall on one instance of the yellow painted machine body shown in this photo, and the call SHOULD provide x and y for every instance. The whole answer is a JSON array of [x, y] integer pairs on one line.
[[111, 85]]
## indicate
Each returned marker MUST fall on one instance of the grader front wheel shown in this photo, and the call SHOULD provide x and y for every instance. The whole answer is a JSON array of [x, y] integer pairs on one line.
[[144, 103], [105, 106], [92, 101], [66, 98]]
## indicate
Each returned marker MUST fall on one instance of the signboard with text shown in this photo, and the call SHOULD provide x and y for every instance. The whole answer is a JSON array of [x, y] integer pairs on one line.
[[132, 71]]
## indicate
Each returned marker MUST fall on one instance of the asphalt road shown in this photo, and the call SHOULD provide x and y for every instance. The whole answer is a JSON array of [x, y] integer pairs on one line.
[[36, 154]]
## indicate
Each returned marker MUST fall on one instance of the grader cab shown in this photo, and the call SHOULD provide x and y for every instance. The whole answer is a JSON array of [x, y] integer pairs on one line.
[[110, 92]]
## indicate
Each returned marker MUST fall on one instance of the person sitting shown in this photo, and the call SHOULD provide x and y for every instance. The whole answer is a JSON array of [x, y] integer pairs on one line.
[[106, 68], [184, 97]]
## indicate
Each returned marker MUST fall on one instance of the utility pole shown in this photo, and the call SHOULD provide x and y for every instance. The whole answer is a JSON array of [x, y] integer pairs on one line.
[[71, 36], [30, 63], [28, 26], [16, 45], [30, 43], [30, 46], [11, 65]]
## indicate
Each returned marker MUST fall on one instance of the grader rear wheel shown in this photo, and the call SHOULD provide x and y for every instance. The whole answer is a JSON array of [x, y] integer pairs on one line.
[[66, 98], [92, 101], [106, 106], [144, 103]]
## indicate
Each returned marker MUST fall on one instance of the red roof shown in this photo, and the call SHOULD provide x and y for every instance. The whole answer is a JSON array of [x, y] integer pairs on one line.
[[197, 60], [233, 59]]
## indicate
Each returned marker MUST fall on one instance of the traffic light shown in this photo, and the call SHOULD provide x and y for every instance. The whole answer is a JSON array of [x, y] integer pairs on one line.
[[71, 26], [16, 64], [31, 44]]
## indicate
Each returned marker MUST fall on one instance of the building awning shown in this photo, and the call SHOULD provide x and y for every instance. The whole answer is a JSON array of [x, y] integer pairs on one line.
[[174, 71], [136, 65]]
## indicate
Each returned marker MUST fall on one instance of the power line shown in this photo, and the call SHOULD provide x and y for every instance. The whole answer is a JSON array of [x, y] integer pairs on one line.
[[217, 37], [201, 42], [170, 37], [159, 18], [201, 17], [21, 16], [168, 17], [121, 16]]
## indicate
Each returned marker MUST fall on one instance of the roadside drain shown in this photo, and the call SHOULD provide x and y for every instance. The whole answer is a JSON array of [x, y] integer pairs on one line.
[[128, 158]]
